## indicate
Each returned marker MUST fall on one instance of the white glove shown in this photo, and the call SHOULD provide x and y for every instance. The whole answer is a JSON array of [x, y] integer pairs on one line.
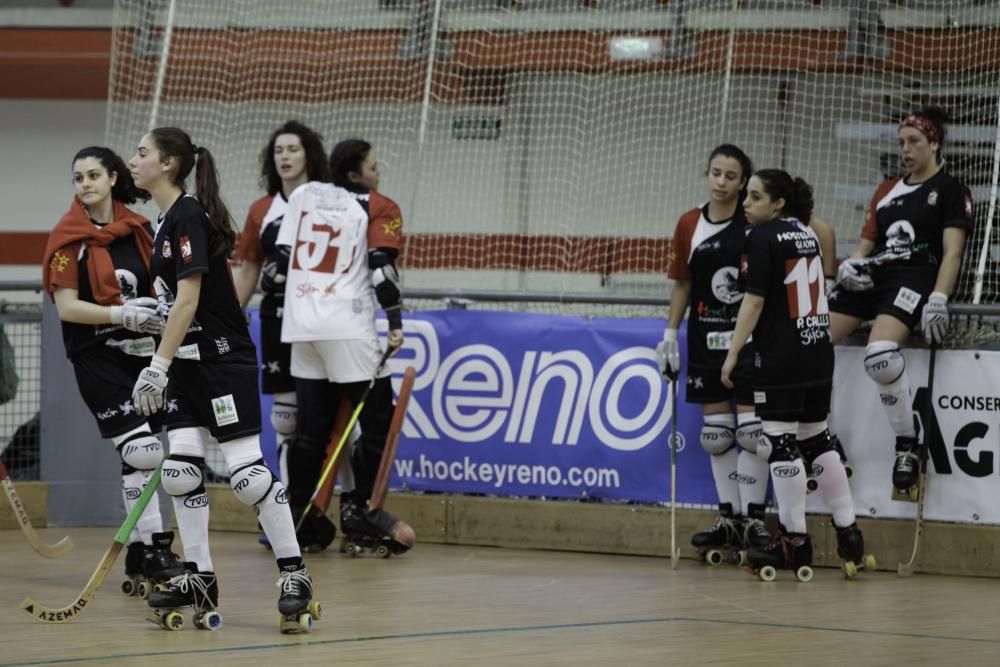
[[139, 315], [853, 275], [150, 387], [934, 321], [668, 354]]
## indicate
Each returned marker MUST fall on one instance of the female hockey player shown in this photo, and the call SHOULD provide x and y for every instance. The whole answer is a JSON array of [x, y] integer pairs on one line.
[[335, 348], [211, 363], [96, 269], [704, 265], [785, 308], [293, 156], [903, 272]]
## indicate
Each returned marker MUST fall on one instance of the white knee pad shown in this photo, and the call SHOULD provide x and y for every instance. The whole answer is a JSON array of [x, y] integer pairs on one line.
[[251, 483], [141, 451], [717, 439], [748, 436], [284, 417], [181, 476], [884, 363]]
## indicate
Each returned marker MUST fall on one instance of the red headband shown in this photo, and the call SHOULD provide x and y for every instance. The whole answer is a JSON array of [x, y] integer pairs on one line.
[[925, 126]]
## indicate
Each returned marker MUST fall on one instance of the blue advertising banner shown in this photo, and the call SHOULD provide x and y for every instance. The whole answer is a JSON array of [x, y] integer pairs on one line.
[[540, 405]]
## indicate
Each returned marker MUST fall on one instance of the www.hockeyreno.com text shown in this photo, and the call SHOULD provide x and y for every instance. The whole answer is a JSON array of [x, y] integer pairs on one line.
[[500, 474]]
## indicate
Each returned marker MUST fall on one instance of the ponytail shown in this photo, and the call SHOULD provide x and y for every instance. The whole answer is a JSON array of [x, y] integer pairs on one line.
[[798, 194]]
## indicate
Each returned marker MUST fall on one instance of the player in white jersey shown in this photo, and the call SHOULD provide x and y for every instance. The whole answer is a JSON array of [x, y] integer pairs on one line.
[[293, 156], [340, 262]]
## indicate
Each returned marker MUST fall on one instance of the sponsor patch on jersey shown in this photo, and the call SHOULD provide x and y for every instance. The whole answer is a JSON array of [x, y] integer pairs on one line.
[[906, 299], [932, 198], [719, 340], [186, 249], [759, 397], [188, 352], [166, 248], [224, 408], [135, 347]]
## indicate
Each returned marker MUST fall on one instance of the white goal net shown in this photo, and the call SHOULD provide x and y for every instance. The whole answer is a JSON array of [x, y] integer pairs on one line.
[[550, 145]]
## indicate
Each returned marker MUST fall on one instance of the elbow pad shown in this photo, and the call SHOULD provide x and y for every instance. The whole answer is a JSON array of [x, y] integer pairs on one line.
[[386, 281], [275, 270]]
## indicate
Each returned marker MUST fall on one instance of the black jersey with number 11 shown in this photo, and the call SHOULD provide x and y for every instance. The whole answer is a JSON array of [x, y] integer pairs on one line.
[[792, 342]]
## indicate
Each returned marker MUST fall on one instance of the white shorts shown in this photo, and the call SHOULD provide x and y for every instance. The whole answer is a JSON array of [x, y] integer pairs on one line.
[[341, 361]]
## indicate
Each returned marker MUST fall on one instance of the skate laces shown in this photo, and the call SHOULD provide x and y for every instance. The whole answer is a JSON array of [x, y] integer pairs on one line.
[[293, 582], [907, 461], [191, 584]]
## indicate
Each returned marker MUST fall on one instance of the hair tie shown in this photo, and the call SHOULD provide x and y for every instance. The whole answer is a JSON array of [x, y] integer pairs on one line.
[[196, 149]]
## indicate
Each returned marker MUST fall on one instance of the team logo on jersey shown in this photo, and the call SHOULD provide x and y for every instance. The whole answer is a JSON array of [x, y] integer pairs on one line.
[[724, 285], [186, 249], [932, 198], [59, 262], [166, 249], [128, 284], [900, 235]]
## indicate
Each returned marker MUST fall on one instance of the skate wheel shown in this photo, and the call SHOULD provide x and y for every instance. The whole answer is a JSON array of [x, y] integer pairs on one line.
[[305, 622], [129, 587], [767, 573], [914, 493], [144, 589], [352, 549], [805, 573], [173, 620], [713, 557], [382, 551], [742, 558], [849, 469], [295, 625], [811, 485], [209, 620], [870, 562], [850, 569], [315, 610]]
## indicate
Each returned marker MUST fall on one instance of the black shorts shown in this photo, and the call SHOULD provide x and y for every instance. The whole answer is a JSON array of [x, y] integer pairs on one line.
[[899, 291], [704, 383], [275, 358], [219, 396], [797, 404], [106, 377]]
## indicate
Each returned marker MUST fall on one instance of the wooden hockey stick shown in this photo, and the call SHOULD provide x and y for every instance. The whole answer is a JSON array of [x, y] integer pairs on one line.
[[381, 487], [45, 614], [57, 550], [906, 569], [332, 459], [675, 553]]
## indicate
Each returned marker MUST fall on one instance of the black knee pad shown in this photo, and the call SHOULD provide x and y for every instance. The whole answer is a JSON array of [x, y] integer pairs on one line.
[[783, 448], [814, 447]]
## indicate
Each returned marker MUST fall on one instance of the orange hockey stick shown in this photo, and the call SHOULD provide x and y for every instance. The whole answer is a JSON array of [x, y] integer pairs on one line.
[[381, 486]]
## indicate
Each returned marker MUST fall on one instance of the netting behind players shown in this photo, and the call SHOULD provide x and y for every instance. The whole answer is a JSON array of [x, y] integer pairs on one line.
[[550, 145]]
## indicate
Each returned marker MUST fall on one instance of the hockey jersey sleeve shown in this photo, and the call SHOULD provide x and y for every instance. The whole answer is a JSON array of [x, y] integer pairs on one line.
[[869, 231], [680, 246], [758, 262], [64, 268], [248, 245], [385, 223]]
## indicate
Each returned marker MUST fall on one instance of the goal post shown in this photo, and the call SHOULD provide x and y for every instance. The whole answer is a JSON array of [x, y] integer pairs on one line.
[[551, 145]]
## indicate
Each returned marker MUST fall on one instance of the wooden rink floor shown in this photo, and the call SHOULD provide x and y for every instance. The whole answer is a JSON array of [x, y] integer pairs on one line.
[[460, 605]]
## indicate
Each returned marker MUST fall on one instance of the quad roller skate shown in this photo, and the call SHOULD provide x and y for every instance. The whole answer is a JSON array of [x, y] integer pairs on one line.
[[378, 531], [198, 590], [812, 472], [296, 607], [851, 547], [753, 530], [906, 469], [723, 541], [146, 566], [788, 551]]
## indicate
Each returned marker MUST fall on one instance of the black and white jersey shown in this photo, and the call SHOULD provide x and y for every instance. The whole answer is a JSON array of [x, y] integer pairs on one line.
[[180, 249], [792, 343], [707, 253], [909, 220]]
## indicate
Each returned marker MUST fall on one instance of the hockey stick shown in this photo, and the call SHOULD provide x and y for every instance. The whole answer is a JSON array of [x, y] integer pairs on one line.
[[675, 553], [332, 460], [45, 614], [57, 550], [381, 487], [906, 569]]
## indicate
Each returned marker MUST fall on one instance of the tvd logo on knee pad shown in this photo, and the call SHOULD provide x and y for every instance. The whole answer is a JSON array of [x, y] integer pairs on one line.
[[888, 399], [785, 471], [195, 502]]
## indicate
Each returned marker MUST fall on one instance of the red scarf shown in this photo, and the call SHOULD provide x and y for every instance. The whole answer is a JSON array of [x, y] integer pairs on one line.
[[76, 225]]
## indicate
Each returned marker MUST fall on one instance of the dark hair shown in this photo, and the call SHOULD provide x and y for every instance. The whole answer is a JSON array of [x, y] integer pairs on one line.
[[175, 142], [348, 156], [124, 189], [736, 153], [798, 194], [939, 118], [317, 168]]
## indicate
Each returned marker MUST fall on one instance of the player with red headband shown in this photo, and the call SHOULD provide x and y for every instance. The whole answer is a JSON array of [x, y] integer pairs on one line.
[[903, 272]]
